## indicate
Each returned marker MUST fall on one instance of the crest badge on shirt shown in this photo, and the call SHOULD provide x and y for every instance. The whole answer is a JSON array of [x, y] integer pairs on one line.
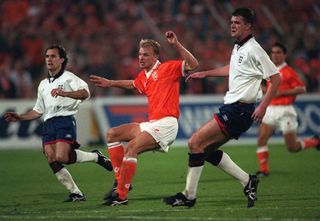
[[241, 58], [154, 76], [60, 86]]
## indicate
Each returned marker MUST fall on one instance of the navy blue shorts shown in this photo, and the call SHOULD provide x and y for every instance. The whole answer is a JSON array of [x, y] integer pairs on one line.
[[234, 119], [60, 129]]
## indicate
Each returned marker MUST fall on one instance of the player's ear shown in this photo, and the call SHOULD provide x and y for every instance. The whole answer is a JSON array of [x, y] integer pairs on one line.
[[155, 57]]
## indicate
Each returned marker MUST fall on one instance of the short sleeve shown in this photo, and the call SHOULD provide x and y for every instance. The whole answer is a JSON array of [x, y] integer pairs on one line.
[[177, 69], [295, 80], [39, 106], [268, 67], [138, 83], [77, 83]]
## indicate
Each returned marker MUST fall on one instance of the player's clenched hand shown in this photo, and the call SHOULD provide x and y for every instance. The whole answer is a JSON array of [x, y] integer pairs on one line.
[[100, 81], [171, 37], [258, 114], [11, 117], [194, 75], [57, 92]]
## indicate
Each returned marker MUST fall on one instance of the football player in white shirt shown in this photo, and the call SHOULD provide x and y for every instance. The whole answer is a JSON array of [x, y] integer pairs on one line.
[[59, 97], [249, 64]]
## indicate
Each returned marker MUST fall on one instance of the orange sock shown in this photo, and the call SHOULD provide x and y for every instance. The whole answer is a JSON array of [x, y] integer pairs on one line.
[[263, 158], [116, 154], [309, 143], [128, 169]]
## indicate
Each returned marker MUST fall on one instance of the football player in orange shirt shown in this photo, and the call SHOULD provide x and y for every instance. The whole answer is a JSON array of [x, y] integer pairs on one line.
[[160, 83], [281, 114]]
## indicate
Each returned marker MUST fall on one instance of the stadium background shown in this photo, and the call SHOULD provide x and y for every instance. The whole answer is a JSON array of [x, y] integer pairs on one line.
[[101, 37]]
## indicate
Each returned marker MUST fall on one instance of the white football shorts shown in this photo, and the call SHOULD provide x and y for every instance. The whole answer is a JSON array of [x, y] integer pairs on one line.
[[281, 117], [164, 131]]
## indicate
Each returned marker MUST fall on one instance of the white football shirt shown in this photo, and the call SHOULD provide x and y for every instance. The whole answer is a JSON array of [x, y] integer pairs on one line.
[[249, 64], [50, 106]]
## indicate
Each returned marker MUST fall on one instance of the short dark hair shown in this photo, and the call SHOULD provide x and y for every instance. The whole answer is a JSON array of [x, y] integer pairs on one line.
[[248, 14], [62, 54], [281, 46]]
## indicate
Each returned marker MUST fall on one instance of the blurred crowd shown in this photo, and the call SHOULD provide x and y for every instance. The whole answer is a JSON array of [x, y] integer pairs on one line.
[[102, 36]]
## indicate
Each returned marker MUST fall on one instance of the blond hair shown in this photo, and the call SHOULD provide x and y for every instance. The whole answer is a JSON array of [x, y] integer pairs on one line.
[[150, 43]]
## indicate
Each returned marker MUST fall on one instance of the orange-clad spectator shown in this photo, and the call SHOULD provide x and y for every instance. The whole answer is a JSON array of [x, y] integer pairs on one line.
[[15, 11], [32, 46], [77, 23]]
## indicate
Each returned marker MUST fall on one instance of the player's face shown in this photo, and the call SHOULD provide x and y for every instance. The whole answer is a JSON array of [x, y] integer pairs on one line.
[[277, 56], [147, 58], [53, 61], [239, 28]]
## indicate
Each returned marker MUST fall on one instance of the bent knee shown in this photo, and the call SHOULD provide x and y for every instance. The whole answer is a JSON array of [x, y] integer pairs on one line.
[[132, 152], [50, 159], [194, 145], [111, 135], [62, 158], [50, 156]]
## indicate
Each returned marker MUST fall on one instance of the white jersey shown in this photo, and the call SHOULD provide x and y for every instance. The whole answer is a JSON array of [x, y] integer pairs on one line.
[[50, 106], [249, 64]]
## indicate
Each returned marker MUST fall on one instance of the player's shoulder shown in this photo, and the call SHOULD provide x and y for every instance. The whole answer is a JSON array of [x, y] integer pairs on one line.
[[172, 61], [255, 46], [256, 51], [43, 82], [68, 74], [288, 70]]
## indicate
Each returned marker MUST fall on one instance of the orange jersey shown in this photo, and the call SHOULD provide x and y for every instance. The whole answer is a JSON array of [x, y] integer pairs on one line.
[[289, 80], [162, 89]]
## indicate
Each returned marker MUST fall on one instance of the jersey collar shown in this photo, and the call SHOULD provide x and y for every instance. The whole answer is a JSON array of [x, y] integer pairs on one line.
[[155, 66], [240, 43], [52, 78], [282, 66]]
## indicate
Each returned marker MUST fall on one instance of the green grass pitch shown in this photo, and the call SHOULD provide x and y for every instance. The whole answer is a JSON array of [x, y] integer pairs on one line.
[[29, 190]]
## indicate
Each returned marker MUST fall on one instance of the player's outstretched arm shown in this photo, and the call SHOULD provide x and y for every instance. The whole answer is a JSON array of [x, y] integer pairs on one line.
[[14, 117], [106, 83], [219, 72], [79, 94], [191, 63]]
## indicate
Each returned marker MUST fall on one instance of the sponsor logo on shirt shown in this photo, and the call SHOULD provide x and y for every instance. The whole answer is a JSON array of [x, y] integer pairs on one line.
[[60, 86]]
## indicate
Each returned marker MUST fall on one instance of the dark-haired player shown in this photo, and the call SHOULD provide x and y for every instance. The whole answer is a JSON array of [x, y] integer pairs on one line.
[[281, 114], [249, 64], [59, 97]]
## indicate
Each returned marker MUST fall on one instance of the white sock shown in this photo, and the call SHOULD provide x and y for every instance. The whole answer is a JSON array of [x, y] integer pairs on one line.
[[262, 149], [83, 156], [228, 166], [193, 178], [65, 178]]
